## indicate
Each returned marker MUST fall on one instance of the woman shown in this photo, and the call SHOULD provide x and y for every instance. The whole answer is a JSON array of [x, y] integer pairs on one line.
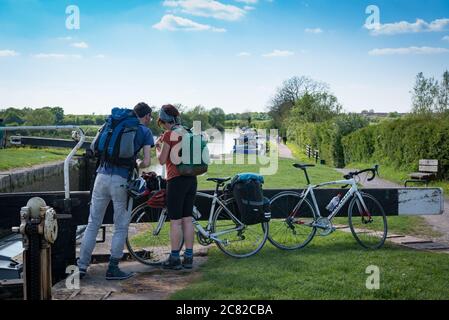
[[181, 190]]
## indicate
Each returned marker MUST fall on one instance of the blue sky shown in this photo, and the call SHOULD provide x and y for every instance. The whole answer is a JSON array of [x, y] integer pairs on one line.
[[226, 53]]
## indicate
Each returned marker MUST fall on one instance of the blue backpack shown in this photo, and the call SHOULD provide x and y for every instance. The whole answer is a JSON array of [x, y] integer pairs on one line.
[[114, 143]]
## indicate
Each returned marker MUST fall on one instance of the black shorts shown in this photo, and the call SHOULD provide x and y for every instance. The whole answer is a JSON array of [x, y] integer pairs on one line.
[[181, 193]]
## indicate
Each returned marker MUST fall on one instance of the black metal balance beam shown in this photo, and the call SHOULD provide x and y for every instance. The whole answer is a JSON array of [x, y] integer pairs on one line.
[[10, 203], [48, 142]]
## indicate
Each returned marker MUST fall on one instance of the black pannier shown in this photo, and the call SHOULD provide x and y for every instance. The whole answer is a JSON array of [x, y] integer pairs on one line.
[[253, 207]]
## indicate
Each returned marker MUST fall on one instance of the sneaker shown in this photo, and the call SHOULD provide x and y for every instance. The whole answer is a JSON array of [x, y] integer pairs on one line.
[[117, 274], [187, 262], [172, 263], [83, 273], [114, 272]]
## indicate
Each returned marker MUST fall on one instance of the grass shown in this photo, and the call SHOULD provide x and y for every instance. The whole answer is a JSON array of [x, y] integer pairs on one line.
[[286, 175], [333, 267], [12, 158]]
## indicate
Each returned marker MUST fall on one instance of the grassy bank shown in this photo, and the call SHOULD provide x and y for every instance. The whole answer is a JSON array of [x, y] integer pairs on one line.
[[12, 158], [329, 268]]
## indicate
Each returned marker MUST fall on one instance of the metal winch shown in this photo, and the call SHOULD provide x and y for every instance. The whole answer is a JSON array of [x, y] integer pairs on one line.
[[39, 229]]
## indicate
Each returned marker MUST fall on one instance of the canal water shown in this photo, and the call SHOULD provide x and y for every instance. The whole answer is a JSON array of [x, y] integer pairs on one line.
[[218, 146]]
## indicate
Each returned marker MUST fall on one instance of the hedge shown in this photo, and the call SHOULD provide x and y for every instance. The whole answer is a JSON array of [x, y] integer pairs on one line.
[[401, 143], [327, 136]]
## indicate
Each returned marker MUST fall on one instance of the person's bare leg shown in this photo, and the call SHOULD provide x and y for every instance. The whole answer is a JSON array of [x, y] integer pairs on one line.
[[176, 234], [189, 233]]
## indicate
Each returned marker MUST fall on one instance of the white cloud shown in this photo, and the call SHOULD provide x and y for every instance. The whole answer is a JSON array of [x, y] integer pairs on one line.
[[80, 45], [173, 23], [406, 27], [446, 38], [409, 50], [8, 53], [100, 56], [244, 54], [313, 30], [56, 56], [249, 8], [278, 53], [207, 8]]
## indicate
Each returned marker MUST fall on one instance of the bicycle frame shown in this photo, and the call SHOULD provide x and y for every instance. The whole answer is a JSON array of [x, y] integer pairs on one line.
[[215, 200], [347, 197], [205, 232]]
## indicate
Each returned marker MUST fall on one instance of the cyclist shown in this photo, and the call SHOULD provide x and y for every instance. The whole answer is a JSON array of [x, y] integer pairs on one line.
[[107, 187], [181, 190]]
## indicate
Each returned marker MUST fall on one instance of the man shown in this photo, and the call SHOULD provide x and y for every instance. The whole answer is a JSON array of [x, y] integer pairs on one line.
[[109, 186]]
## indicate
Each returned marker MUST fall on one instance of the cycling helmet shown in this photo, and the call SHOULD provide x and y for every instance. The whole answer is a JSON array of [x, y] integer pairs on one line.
[[136, 188]]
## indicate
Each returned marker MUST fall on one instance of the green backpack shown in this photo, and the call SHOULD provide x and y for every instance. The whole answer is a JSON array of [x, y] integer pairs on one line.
[[194, 153]]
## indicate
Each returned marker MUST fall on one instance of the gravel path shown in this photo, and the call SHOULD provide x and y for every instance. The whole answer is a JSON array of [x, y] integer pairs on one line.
[[285, 152]]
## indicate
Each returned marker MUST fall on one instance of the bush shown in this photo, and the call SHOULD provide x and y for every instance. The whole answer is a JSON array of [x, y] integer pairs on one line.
[[401, 143], [327, 136]]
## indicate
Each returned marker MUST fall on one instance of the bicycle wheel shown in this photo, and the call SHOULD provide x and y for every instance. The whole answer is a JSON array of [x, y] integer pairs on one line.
[[291, 230], [235, 239], [142, 242], [369, 229]]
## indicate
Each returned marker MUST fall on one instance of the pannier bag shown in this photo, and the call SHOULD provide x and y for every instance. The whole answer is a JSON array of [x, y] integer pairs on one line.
[[158, 200], [248, 194]]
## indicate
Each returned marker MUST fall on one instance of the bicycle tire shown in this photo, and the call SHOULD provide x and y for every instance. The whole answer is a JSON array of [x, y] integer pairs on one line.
[[237, 244], [287, 231], [365, 236], [142, 244]]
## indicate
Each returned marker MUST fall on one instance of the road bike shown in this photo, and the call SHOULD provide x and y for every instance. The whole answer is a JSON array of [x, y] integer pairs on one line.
[[296, 218], [148, 234]]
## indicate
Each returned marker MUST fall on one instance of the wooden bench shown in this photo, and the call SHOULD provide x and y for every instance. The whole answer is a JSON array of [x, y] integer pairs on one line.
[[428, 170]]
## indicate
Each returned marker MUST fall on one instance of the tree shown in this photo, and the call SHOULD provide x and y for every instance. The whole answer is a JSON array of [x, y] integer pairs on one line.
[[199, 113], [425, 95], [40, 117], [217, 118], [59, 114], [12, 115], [316, 107], [443, 94], [290, 92]]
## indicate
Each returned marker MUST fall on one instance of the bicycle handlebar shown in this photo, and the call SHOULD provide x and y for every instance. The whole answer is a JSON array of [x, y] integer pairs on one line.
[[374, 171]]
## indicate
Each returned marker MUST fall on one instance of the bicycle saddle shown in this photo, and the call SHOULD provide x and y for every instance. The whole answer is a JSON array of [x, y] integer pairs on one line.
[[219, 180], [303, 165]]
